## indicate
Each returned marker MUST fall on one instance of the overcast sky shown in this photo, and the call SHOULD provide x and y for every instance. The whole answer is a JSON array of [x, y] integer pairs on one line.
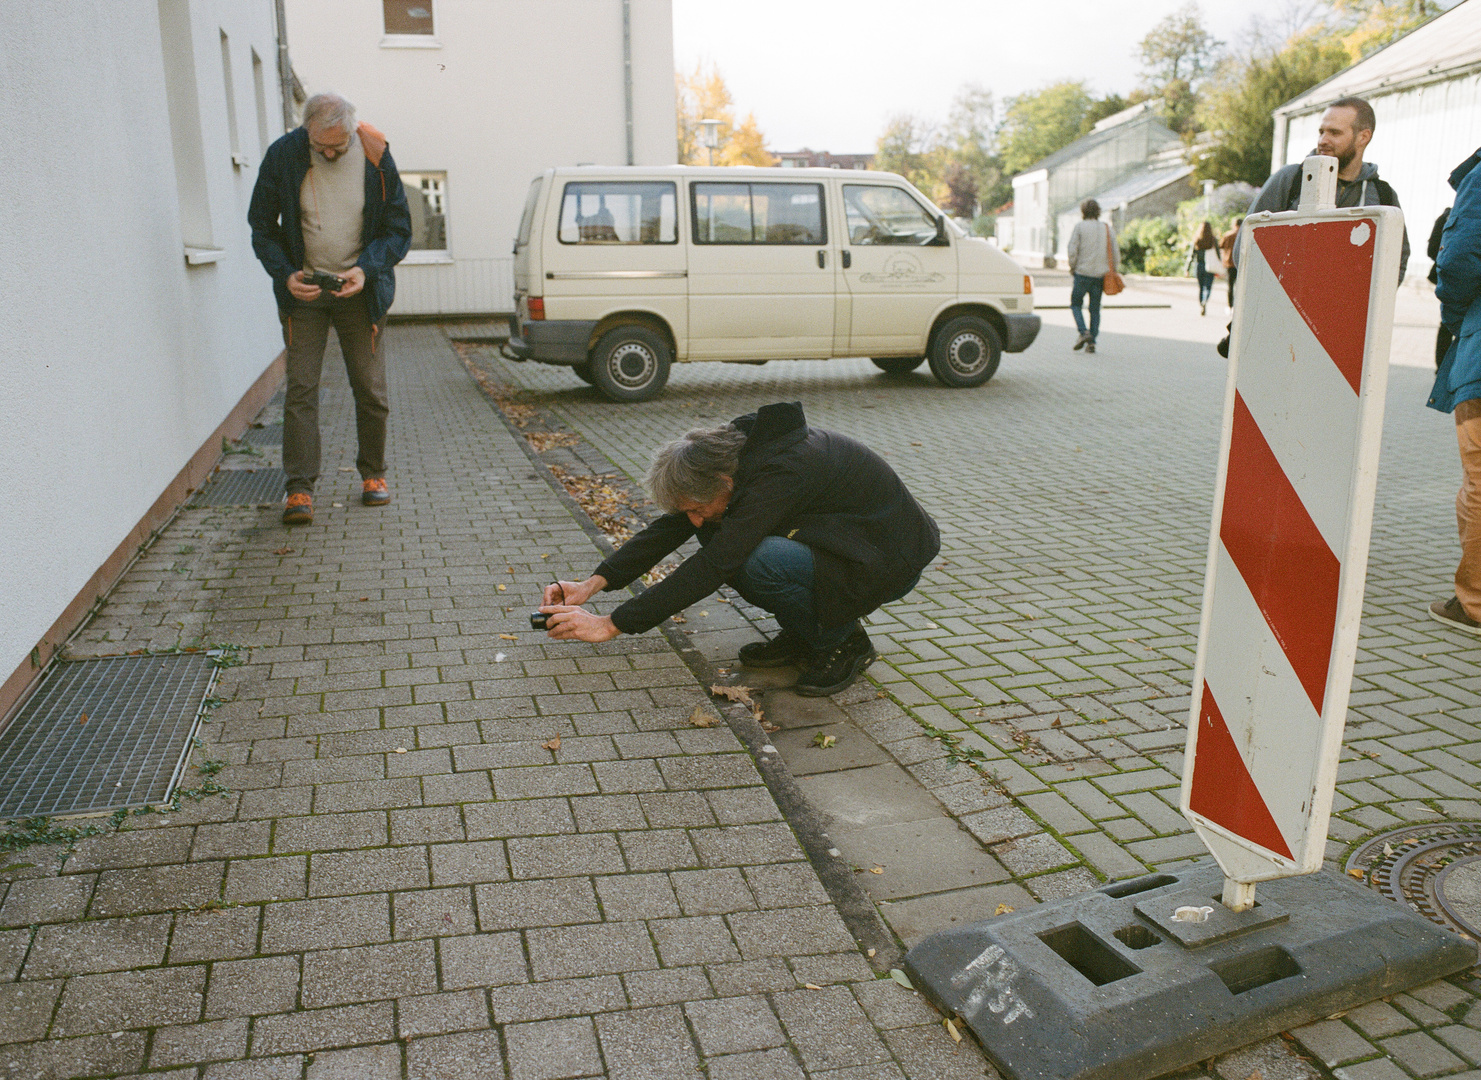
[[827, 74]]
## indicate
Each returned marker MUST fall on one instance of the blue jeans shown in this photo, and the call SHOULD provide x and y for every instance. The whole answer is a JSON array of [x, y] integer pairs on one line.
[[1205, 285], [778, 577], [1084, 286]]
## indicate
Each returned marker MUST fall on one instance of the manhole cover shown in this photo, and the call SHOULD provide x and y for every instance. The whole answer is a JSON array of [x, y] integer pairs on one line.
[[243, 487], [1434, 869], [265, 437]]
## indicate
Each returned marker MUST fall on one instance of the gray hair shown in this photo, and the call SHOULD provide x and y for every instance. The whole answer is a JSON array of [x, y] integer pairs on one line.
[[329, 110], [689, 468]]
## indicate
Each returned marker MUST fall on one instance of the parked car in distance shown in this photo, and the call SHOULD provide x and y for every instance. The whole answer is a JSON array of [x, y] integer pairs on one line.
[[621, 271]]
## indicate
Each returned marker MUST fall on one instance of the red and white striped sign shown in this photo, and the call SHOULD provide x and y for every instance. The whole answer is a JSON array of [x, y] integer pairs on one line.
[[1293, 507]]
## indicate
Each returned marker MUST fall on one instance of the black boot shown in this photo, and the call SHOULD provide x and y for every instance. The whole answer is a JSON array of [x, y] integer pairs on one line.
[[829, 671], [786, 648]]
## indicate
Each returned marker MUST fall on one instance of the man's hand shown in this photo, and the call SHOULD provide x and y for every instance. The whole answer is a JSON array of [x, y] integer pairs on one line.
[[354, 282], [568, 623], [300, 290], [574, 593]]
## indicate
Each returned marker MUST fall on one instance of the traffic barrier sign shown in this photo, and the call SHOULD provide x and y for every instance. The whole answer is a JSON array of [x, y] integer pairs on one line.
[[1288, 549]]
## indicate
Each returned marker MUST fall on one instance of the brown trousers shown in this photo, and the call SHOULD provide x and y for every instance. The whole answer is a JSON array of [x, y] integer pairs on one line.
[[1468, 507], [306, 333]]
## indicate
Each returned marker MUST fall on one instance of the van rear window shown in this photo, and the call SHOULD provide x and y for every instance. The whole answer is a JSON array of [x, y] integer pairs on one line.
[[619, 213], [759, 214], [527, 219]]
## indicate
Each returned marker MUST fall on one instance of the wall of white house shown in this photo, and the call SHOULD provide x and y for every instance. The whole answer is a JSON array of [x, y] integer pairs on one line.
[[498, 92], [1421, 134], [118, 359]]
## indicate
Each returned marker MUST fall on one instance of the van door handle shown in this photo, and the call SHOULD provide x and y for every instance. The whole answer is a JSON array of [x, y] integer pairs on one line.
[[822, 259], [847, 260]]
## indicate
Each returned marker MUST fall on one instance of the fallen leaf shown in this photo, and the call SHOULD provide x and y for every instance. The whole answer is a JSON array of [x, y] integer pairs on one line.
[[811, 986], [768, 726], [545, 556], [704, 614], [915, 444], [83, 719], [282, 551], [741, 694], [700, 718], [822, 741], [901, 978], [1355, 872], [1055, 723], [956, 1036], [881, 693], [1003, 909], [502, 588], [677, 618], [876, 869], [553, 744], [509, 637], [364, 598], [400, 749], [870, 953]]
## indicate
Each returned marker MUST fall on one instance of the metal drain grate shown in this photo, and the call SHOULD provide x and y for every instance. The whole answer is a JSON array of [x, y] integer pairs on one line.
[[243, 487], [1435, 869], [130, 750], [265, 437]]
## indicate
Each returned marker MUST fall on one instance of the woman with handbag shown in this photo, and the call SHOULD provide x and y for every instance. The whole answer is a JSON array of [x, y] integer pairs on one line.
[[1198, 253], [1093, 258]]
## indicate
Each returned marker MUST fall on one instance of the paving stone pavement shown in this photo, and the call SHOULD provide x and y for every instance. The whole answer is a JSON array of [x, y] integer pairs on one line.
[[1056, 633], [449, 848]]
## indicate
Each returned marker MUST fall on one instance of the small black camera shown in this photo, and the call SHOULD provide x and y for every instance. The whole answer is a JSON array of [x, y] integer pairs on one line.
[[539, 620], [327, 282]]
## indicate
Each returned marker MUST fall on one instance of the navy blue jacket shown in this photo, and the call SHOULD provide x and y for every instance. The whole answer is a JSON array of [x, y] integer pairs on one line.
[[1458, 287], [277, 231]]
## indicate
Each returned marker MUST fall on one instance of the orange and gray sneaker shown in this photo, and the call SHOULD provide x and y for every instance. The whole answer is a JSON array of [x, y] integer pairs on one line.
[[300, 509], [375, 493]]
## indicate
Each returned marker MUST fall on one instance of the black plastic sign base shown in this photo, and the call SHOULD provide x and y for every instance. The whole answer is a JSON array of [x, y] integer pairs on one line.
[[1111, 984]]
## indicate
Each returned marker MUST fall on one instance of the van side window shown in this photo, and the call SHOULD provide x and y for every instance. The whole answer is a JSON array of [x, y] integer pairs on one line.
[[759, 214], [877, 214], [611, 212]]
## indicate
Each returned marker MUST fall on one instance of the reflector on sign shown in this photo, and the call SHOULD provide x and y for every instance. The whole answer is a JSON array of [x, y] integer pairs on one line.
[[1288, 550]]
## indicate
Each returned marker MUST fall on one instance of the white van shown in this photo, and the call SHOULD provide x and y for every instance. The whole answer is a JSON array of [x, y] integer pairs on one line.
[[620, 271]]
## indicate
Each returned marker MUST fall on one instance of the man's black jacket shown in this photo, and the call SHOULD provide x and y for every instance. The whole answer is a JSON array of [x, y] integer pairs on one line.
[[869, 536]]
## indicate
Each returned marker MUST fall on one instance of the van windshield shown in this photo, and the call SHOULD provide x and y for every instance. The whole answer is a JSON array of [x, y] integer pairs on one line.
[[527, 219]]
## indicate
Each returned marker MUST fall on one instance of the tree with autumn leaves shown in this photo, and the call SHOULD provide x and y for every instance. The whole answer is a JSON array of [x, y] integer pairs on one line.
[[703, 95]]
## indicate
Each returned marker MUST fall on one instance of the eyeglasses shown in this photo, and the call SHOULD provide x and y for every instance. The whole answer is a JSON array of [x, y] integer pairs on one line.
[[330, 149]]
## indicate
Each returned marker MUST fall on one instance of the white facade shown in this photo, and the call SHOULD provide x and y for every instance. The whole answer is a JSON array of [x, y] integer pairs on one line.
[[119, 359], [497, 92], [1425, 90]]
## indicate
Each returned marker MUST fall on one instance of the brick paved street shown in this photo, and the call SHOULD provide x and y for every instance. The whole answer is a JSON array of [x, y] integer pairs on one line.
[[410, 876]]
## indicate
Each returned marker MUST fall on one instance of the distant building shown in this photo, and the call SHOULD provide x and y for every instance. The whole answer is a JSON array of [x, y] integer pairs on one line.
[[1425, 90], [138, 329], [1131, 163], [476, 98], [821, 159]]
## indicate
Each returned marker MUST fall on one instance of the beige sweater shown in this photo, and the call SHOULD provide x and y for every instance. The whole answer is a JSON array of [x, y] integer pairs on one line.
[[1087, 249], [332, 209]]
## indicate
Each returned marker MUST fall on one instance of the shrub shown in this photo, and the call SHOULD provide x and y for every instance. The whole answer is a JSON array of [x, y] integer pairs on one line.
[[1150, 246]]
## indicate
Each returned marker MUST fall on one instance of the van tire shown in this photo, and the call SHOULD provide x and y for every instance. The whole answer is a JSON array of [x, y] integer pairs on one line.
[[965, 352], [897, 365], [630, 363], [583, 372]]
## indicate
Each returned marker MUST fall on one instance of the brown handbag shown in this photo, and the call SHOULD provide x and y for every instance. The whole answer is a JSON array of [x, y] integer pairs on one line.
[[1112, 283]]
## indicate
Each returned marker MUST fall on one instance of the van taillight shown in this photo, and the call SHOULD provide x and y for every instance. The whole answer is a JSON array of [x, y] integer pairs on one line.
[[537, 307], [1028, 285]]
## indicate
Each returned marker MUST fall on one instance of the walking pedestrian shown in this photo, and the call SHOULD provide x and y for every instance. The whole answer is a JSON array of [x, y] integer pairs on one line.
[[1226, 256], [1198, 253], [1093, 254], [329, 222], [1458, 384], [808, 524]]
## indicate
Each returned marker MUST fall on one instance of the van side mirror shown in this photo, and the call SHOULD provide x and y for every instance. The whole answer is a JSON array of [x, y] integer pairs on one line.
[[940, 240]]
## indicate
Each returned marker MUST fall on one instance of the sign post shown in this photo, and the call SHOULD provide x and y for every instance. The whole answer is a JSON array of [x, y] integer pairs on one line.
[[1288, 549]]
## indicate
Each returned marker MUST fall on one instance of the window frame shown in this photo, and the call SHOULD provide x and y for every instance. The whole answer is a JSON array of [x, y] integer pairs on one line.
[[561, 211], [429, 254], [396, 39], [750, 185]]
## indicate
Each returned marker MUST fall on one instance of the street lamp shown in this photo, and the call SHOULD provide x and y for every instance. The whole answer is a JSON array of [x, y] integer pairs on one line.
[[710, 137]]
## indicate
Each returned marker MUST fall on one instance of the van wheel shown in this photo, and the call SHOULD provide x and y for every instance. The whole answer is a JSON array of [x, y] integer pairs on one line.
[[582, 372], [897, 365], [630, 363], [965, 352]]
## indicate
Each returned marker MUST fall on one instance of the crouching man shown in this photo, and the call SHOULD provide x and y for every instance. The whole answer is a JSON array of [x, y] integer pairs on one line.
[[808, 524]]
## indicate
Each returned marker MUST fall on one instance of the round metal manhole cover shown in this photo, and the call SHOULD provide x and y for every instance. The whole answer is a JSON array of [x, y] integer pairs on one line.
[[1434, 869]]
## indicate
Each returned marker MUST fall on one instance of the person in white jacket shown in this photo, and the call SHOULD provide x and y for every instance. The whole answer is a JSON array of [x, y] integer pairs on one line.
[[1093, 253]]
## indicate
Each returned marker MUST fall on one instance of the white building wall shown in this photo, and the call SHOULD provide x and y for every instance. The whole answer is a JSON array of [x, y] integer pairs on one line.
[[502, 90], [1421, 134], [118, 360]]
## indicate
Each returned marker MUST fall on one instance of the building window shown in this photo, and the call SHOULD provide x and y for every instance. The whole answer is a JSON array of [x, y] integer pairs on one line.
[[619, 213], [426, 195], [759, 214], [185, 124], [259, 92], [408, 17], [232, 132]]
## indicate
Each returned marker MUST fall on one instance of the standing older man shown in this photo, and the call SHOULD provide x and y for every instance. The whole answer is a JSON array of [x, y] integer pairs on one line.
[[328, 201], [808, 524]]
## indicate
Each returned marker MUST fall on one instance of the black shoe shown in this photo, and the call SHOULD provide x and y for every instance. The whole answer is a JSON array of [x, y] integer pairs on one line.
[[831, 670], [1090, 346], [1223, 346], [1081, 342], [786, 648], [1453, 615]]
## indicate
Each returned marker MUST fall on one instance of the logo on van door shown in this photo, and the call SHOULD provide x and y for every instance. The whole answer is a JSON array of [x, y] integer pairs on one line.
[[902, 269]]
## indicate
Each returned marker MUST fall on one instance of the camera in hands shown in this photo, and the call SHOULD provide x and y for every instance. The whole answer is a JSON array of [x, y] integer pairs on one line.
[[539, 620], [327, 282]]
